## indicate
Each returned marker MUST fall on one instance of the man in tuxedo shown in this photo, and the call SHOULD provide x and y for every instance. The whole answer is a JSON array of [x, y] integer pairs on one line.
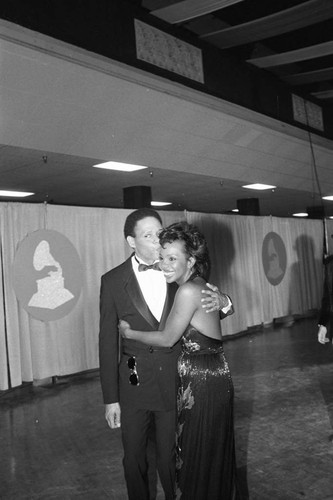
[[139, 383]]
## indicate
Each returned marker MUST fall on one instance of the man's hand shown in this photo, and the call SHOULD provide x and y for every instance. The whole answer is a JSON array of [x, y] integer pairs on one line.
[[322, 334], [112, 415], [215, 300]]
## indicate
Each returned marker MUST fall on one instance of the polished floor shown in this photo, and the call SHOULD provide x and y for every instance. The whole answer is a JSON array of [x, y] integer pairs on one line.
[[55, 444]]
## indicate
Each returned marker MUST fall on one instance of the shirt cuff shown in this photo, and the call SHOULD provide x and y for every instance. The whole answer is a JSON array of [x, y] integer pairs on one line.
[[227, 308]]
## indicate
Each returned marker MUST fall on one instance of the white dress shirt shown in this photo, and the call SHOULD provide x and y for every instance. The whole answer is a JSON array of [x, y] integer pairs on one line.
[[153, 287]]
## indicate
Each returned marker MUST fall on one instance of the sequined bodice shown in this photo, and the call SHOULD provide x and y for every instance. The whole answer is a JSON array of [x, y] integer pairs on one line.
[[194, 341]]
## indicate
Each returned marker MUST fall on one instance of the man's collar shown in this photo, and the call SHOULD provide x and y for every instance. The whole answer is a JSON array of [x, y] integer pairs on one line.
[[145, 267]]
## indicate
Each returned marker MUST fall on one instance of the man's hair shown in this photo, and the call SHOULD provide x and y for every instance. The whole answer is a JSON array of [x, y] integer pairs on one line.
[[195, 244], [134, 217]]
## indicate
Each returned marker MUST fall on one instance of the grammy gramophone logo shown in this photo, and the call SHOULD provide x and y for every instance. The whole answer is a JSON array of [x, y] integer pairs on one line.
[[47, 275], [274, 258]]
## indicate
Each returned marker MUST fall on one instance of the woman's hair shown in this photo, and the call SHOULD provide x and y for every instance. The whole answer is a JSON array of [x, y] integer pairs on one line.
[[195, 245]]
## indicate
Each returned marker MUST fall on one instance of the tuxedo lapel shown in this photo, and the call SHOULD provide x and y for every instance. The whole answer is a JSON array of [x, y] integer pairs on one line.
[[132, 288]]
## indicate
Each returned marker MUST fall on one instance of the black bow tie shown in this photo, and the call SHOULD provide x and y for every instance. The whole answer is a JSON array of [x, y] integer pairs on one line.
[[145, 267]]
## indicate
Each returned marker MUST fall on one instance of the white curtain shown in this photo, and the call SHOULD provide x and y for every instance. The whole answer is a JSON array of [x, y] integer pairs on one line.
[[235, 244], [34, 349], [3, 340]]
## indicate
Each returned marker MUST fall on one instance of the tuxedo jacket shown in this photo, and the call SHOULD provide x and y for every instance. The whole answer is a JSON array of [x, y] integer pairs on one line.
[[326, 310], [121, 298]]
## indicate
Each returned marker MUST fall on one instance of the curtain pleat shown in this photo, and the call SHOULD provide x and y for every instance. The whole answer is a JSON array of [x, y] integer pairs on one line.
[[18, 220], [3, 346]]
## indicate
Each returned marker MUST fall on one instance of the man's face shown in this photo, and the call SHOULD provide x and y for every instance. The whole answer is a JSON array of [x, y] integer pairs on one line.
[[145, 242]]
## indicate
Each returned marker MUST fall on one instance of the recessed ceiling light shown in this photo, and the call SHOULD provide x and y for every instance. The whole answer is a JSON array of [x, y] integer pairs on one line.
[[160, 203], [259, 187], [330, 198], [15, 194], [116, 165], [301, 214]]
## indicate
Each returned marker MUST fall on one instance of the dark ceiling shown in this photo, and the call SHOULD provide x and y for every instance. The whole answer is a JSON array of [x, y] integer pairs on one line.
[[292, 39]]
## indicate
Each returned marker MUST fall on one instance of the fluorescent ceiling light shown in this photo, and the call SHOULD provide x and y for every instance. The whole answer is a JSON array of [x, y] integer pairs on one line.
[[160, 203], [301, 214], [14, 194], [116, 165], [259, 187], [330, 198]]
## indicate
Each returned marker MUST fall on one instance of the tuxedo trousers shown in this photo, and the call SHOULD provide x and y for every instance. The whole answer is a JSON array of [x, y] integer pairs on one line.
[[136, 427]]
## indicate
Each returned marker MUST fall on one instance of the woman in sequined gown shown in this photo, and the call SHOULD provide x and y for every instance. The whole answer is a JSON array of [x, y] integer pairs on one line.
[[206, 468]]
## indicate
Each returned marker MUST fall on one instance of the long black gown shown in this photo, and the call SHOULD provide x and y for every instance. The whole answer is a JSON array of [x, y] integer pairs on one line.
[[206, 466]]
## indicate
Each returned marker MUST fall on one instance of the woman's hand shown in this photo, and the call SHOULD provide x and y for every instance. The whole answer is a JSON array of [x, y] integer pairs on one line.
[[124, 329]]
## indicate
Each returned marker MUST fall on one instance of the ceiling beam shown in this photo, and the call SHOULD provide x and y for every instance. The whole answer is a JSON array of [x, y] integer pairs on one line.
[[320, 75], [312, 52], [300, 16], [189, 9], [323, 94]]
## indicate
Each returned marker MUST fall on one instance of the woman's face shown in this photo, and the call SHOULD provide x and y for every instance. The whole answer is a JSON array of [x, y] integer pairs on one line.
[[175, 263]]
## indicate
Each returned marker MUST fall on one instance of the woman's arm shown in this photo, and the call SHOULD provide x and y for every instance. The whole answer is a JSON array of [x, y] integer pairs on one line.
[[182, 311]]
